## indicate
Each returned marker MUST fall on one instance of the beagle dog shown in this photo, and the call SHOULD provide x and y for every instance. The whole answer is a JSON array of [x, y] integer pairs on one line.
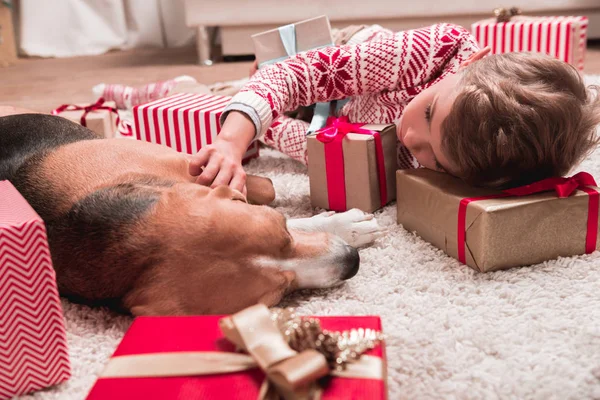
[[127, 227]]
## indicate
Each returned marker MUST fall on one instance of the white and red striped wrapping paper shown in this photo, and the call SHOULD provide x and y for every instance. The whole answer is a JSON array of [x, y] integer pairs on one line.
[[33, 344], [561, 37], [185, 122]]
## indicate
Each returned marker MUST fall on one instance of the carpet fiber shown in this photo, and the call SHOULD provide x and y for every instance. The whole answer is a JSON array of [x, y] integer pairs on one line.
[[526, 333]]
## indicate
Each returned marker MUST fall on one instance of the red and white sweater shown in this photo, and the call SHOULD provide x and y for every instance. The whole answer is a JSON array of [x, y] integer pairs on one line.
[[381, 76]]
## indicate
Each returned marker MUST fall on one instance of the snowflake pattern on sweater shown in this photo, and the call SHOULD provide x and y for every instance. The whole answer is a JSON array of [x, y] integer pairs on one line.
[[380, 76]]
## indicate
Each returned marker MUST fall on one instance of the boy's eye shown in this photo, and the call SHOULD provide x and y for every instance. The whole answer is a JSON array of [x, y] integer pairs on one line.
[[428, 113]]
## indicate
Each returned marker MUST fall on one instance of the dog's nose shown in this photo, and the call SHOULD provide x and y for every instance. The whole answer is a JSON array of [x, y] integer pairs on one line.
[[352, 261]]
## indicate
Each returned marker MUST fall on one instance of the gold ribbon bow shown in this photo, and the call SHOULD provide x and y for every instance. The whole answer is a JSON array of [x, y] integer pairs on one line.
[[291, 374], [505, 14]]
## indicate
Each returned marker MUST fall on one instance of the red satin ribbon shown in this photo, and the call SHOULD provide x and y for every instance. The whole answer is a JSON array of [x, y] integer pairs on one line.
[[125, 129], [332, 136], [564, 187]]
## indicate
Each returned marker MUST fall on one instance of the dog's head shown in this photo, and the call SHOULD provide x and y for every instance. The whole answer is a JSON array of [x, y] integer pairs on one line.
[[222, 254], [125, 222]]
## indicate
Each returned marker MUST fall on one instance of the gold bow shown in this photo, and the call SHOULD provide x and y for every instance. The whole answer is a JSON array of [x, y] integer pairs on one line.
[[505, 14], [291, 374]]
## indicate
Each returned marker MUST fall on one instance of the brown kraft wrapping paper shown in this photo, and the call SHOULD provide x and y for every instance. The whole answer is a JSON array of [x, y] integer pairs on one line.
[[102, 122], [500, 233], [360, 169], [310, 34]]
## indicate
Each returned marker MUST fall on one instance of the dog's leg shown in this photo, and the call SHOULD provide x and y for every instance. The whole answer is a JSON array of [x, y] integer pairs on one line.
[[356, 227]]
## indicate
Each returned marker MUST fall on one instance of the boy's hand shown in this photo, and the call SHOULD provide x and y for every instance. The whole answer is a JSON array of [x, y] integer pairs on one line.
[[221, 162]]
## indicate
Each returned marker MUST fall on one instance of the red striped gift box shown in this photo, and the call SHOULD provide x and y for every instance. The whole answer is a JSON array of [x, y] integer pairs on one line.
[[561, 37], [33, 344], [185, 122]]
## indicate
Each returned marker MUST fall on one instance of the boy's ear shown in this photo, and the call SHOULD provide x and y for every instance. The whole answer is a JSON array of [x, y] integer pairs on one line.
[[476, 56]]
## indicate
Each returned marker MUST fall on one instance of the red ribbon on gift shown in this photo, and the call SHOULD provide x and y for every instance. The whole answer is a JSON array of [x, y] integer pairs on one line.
[[332, 135], [122, 126], [564, 187]]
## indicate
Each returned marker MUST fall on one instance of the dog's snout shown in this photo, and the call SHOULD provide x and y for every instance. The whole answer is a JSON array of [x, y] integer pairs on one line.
[[351, 261]]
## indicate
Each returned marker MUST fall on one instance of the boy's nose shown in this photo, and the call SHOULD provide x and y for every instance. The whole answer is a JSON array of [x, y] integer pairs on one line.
[[413, 141]]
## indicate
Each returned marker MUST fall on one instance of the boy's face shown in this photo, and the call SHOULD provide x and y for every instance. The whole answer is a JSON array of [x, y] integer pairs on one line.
[[419, 128]]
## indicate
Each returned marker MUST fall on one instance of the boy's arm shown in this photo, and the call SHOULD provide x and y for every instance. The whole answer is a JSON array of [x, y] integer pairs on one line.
[[405, 60]]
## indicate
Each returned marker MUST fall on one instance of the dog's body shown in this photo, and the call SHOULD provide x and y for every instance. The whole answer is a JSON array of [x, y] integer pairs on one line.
[[127, 225]]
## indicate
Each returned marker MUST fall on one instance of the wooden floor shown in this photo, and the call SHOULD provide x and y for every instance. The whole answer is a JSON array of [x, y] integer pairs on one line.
[[44, 84]]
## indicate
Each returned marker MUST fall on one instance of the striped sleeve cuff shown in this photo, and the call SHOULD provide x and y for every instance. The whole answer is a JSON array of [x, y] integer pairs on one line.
[[255, 107]]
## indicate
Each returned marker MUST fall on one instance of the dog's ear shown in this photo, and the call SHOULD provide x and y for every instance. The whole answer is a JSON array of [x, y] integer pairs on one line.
[[287, 284], [152, 299]]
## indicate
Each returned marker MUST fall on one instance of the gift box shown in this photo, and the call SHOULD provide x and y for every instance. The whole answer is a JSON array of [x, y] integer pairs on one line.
[[278, 44], [561, 37], [189, 357], [491, 230], [352, 166], [185, 122], [101, 117], [33, 345]]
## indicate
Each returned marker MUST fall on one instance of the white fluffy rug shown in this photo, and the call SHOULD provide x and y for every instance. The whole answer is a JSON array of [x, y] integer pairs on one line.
[[452, 333]]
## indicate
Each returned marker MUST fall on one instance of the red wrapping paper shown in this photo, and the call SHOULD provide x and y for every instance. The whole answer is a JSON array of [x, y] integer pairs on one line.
[[561, 37], [185, 122], [178, 334], [33, 343]]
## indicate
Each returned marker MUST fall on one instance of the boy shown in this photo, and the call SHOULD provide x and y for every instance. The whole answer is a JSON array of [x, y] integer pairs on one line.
[[496, 121]]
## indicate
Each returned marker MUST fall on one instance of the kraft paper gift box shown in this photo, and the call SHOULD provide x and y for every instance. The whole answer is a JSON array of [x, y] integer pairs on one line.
[[278, 44], [359, 174], [189, 358], [561, 37], [185, 122], [33, 345], [101, 117], [490, 230]]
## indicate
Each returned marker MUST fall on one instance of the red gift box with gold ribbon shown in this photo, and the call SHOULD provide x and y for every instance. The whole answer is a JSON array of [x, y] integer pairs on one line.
[[491, 230], [352, 165], [195, 357]]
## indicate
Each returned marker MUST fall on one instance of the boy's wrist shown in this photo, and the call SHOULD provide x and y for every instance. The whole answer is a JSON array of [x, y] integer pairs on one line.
[[237, 133]]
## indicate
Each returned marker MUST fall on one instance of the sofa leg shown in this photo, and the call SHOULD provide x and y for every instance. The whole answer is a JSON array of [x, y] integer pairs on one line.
[[204, 45]]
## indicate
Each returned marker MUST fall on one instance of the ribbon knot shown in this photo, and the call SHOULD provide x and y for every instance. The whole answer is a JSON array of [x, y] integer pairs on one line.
[[122, 126], [564, 187], [293, 374], [339, 127]]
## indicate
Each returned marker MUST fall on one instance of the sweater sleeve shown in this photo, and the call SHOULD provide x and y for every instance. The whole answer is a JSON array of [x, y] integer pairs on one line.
[[389, 63]]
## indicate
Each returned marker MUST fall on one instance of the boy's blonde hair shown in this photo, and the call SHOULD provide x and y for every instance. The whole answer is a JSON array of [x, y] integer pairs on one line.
[[519, 118]]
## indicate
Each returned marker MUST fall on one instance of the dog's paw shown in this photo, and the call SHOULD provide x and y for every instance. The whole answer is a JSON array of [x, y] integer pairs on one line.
[[356, 227]]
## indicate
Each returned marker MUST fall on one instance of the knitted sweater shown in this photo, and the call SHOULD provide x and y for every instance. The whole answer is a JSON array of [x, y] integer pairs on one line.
[[380, 75]]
